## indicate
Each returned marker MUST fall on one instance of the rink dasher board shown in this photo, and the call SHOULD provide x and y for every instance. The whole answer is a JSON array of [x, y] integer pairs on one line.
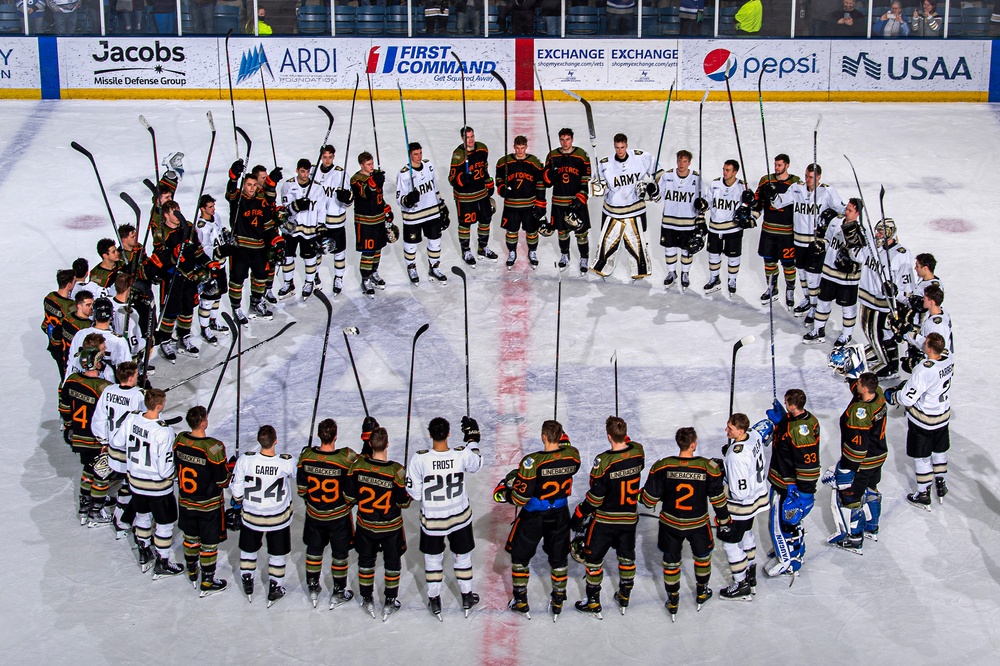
[[326, 68]]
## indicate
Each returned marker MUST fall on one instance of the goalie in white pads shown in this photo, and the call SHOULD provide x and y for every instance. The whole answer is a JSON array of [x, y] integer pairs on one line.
[[928, 409], [304, 209], [424, 213], [263, 488], [436, 479], [628, 177], [683, 227], [746, 493]]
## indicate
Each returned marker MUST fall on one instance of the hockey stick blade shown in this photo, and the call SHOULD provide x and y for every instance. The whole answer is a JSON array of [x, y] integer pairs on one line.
[[501, 81], [145, 123], [743, 342], [325, 110], [459, 272], [421, 331], [124, 196], [149, 185], [80, 149], [211, 120], [239, 130], [352, 330]]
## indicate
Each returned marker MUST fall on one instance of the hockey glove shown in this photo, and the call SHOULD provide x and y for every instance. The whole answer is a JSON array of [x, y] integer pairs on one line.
[[853, 235], [470, 429], [748, 198], [236, 170], [890, 289], [744, 216], [722, 465], [367, 426], [67, 433], [891, 394], [564, 440], [796, 505], [700, 204], [838, 477], [776, 413], [501, 494], [725, 531], [301, 204], [828, 215], [234, 518], [540, 214], [412, 199], [275, 174], [493, 207], [767, 192], [345, 196], [378, 177], [578, 521], [389, 216]]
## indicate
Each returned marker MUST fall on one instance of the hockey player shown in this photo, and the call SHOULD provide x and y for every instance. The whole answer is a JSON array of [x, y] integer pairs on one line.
[[117, 401], [886, 275], [686, 484], [612, 499], [218, 244], [857, 501], [424, 213], [57, 305], [115, 347], [813, 204], [137, 265], [746, 495], [628, 177], [472, 185], [730, 213], [793, 473], [568, 173], [683, 228], [378, 487], [928, 409], [541, 486], [184, 267], [934, 320], [202, 474], [841, 274], [125, 319], [78, 318], [776, 231], [304, 210], [521, 184], [332, 232], [262, 493], [102, 276], [322, 473], [150, 462], [78, 408], [373, 225], [924, 266], [81, 272], [257, 243], [436, 479]]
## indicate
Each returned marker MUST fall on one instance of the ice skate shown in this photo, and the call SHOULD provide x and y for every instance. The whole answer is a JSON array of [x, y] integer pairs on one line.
[[315, 589], [168, 350], [940, 489], [563, 261], [468, 258], [165, 568], [802, 309], [814, 337], [702, 594], [274, 593], [377, 280], [188, 347], [211, 585], [921, 499], [248, 586], [670, 279], [556, 603], [519, 604], [340, 596], [390, 606], [411, 272], [269, 296], [673, 602], [287, 289], [533, 258], [258, 310], [368, 606], [209, 336], [511, 259], [338, 284], [368, 288], [486, 253], [713, 285], [434, 273], [434, 605], [737, 591], [469, 600], [307, 290]]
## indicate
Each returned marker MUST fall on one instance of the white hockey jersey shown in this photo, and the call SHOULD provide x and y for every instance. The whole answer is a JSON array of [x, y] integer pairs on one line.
[[116, 351], [149, 454], [135, 339], [330, 180], [424, 181], [873, 263], [306, 222], [921, 285], [678, 195], [437, 480], [933, 323], [95, 289], [266, 486], [210, 236], [806, 212], [835, 243], [746, 474], [723, 200], [114, 405], [621, 177], [925, 393]]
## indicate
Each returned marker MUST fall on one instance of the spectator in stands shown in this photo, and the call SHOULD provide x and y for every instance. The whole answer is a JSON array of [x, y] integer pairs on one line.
[[621, 17], [64, 15], [503, 11], [523, 17], [926, 22], [36, 15], [847, 22], [470, 17], [892, 24], [165, 16], [550, 11], [202, 16], [692, 13], [436, 16]]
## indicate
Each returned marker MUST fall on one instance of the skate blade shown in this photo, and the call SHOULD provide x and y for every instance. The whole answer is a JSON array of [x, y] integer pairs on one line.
[[467, 611], [871, 536], [250, 598], [208, 593], [925, 507], [673, 617], [271, 602], [699, 607], [315, 601], [195, 584], [749, 597], [187, 353], [338, 603], [146, 567]]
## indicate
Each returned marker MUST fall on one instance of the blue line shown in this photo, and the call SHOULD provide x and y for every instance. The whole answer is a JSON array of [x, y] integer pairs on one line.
[[48, 67]]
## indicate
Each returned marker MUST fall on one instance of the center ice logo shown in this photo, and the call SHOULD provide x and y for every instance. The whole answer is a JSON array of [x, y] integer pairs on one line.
[[719, 64], [252, 61]]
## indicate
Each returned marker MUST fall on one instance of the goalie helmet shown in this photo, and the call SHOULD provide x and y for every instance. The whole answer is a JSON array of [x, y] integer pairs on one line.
[[849, 360], [174, 162], [885, 230], [90, 358], [103, 309]]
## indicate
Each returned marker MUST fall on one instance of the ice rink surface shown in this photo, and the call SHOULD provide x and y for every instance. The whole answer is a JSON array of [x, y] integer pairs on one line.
[[927, 592]]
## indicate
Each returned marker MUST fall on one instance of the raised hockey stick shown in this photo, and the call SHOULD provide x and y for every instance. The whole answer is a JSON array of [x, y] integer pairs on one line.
[[888, 262], [505, 144], [232, 105], [545, 114], [230, 357], [329, 127], [555, 399], [350, 129], [465, 117], [353, 330], [234, 334], [322, 360], [406, 136], [239, 383], [592, 130], [409, 396], [701, 116], [104, 194], [246, 166], [663, 128], [267, 112], [816, 177], [736, 130], [763, 127], [870, 237], [152, 135], [614, 362], [770, 317], [740, 344], [465, 295], [371, 103], [208, 160]]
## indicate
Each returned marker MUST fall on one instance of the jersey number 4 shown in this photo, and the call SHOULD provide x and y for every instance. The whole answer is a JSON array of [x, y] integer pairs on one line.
[[276, 490]]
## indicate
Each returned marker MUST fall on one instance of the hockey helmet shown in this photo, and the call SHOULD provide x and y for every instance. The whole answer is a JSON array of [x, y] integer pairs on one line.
[[571, 220], [392, 231], [90, 358], [103, 309], [578, 548], [546, 230], [695, 244], [174, 162], [849, 360], [885, 230]]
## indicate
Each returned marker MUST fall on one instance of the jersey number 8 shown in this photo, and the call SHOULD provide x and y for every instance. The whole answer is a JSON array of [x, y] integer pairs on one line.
[[438, 488]]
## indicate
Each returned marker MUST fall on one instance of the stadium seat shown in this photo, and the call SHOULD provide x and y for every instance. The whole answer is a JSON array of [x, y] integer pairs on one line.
[[582, 21], [11, 20], [976, 22], [370, 20], [344, 19], [313, 20], [395, 20], [226, 18]]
